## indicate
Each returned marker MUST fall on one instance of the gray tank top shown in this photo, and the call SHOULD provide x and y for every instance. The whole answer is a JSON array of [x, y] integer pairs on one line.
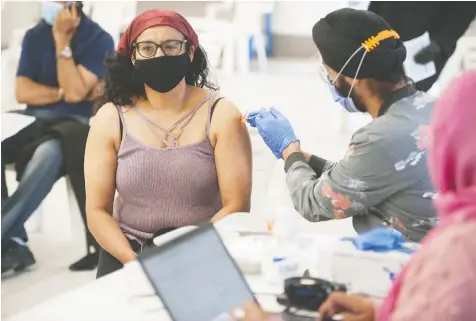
[[166, 187]]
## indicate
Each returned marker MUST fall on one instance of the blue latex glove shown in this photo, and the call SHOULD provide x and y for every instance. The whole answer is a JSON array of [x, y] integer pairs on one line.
[[379, 239], [274, 128]]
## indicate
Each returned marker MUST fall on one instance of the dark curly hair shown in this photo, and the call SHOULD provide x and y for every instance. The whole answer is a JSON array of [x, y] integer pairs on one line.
[[121, 85]]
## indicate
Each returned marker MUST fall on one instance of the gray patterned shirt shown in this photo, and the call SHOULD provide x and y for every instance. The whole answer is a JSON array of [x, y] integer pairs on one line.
[[382, 180]]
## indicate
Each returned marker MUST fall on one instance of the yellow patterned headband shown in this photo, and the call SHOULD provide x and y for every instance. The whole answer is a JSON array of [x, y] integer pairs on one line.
[[371, 43]]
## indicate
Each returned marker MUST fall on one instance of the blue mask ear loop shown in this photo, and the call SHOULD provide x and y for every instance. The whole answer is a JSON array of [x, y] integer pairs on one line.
[[358, 68]]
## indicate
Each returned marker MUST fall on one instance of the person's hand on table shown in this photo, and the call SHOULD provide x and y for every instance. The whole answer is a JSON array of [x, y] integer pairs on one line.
[[350, 307], [275, 129]]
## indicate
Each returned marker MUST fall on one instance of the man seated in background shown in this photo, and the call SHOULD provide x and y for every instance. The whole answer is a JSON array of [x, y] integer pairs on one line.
[[59, 74]]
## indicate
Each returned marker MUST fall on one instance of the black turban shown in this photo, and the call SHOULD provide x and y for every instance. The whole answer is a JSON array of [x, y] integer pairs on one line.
[[343, 31]]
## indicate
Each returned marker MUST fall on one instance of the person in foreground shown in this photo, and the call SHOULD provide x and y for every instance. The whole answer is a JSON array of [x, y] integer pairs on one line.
[[383, 178], [439, 282], [176, 153]]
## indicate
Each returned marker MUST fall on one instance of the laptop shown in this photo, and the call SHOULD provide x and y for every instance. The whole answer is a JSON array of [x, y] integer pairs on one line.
[[195, 276]]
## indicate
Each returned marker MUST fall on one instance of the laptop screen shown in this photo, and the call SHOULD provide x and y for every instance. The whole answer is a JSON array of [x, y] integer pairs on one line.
[[195, 276]]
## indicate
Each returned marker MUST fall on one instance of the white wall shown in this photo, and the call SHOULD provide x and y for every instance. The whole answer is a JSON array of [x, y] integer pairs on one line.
[[113, 15], [296, 18], [17, 15], [289, 18], [110, 15], [185, 8]]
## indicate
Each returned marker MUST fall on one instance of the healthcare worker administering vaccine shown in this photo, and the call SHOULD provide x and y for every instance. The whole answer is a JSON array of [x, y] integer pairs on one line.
[[383, 178]]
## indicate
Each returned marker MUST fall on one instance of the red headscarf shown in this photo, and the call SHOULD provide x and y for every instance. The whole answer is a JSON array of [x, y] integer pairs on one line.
[[154, 18]]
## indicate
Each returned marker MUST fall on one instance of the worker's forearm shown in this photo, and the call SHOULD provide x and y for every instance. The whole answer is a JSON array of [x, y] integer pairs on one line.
[[318, 164], [32, 93], [302, 184], [69, 77], [108, 234]]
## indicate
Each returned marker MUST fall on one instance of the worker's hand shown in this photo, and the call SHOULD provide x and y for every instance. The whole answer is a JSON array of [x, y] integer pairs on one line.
[[350, 307], [427, 54], [274, 128]]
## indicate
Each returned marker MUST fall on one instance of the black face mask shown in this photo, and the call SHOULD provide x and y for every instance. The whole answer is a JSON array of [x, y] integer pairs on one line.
[[164, 73]]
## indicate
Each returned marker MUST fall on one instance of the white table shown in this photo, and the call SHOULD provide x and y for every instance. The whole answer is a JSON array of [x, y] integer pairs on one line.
[[120, 296], [128, 295]]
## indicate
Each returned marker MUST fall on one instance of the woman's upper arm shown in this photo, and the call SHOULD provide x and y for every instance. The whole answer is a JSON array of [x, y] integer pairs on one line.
[[100, 159], [232, 155]]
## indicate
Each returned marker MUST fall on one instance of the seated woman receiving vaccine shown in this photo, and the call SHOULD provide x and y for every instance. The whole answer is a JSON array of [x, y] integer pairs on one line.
[[176, 152]]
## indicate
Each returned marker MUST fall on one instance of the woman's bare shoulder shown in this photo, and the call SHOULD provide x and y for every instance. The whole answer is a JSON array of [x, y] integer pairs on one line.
[[107, 113], [226, 123], [106, 122], [225, 112]]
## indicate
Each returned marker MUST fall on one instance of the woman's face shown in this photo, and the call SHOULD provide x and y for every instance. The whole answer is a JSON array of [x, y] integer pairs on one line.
[[160, 41]]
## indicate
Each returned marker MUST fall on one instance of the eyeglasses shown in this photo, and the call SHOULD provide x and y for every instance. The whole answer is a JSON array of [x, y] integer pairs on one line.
[[148, 49]]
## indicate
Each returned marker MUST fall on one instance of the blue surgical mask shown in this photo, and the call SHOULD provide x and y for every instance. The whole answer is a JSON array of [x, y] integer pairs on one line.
[[49, 11], [345, 102]]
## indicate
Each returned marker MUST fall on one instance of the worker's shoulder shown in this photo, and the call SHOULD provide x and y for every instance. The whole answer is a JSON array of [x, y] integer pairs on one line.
[[402, 122]]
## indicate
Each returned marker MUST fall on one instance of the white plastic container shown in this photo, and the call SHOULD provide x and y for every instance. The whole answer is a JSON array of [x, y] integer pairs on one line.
[[364, 272], [275, 269]]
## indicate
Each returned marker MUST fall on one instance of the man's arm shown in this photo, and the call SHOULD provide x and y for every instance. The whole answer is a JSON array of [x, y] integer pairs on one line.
[[75, 80], [97, 91], [27, 90], [32, 93], [294, 154]]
